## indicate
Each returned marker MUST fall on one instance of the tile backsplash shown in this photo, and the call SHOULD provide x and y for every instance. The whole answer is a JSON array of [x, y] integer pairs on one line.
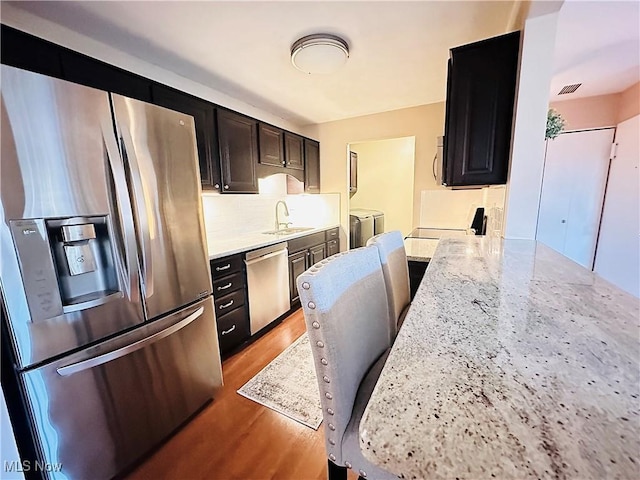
[[235, 215]]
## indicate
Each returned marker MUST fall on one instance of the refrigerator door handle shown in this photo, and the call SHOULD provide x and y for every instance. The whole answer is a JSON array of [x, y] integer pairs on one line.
[[128, 349], [140, 196], [123, 207]]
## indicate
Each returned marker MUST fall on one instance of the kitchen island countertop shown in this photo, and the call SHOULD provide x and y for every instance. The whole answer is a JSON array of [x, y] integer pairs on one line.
[[512, 362]]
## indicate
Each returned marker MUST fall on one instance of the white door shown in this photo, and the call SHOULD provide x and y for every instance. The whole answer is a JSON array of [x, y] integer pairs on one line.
[[573, 184], [618, 253]]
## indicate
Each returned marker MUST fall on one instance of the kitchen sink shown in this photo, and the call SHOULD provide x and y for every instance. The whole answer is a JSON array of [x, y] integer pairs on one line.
[[289, 231]]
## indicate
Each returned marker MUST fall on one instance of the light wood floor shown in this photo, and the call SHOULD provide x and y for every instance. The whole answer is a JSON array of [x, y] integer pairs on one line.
[[236, 438]]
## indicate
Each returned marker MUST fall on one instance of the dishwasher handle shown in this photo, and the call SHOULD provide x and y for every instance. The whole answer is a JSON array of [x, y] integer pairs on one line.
[[268, 255]]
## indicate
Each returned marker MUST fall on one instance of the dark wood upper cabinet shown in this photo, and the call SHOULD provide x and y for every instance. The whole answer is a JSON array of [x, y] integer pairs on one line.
[[238, 146], [203, 113], [25, 51], [311, 166], [271, 145], [88, 71], [293, 151], [481, 89]]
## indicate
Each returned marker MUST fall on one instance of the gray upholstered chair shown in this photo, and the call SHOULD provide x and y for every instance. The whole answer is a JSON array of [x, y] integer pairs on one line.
[[344, 300], [395, 268]]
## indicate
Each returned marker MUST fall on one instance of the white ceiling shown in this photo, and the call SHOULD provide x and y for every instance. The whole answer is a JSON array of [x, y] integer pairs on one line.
[[399, 50], [598, 45]]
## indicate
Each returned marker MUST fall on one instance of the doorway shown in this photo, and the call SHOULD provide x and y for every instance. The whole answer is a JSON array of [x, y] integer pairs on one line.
[[386, 180], [573, 186]]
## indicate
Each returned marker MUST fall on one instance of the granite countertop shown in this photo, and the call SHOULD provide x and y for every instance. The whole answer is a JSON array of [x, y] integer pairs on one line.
[[221, 247], [421, 243], [513, 362], [420, 249]]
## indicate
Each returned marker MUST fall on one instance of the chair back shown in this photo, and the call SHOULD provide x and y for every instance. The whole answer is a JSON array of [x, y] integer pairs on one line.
[[344, 301], [395, 269]]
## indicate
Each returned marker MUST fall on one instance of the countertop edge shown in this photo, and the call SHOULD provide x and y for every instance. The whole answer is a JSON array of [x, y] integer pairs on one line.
[[251, 241]]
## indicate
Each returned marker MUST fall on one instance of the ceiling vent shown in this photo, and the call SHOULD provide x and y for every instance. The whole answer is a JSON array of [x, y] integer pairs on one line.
[[569, 89]]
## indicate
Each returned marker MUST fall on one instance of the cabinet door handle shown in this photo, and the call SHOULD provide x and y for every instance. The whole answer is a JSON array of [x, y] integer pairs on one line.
[[226, 267], [224, 287], [226, 305], [224, 332]]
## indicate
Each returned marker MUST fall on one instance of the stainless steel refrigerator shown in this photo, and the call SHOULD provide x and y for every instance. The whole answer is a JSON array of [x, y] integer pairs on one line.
[[104, 272]]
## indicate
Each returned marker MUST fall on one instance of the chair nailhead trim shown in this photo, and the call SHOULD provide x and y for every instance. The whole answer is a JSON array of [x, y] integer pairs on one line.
[[347, 464], [306, 285], [324, 361], [363, 473], [332, 442], [315, 325], [311, 305], [326, 379], [320, 344], [332, 457], [330, 411], [332, 427], [329, 396]]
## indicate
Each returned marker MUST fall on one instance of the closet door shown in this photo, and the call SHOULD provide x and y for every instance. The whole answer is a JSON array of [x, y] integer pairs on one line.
[[573, 184], [618, 254]]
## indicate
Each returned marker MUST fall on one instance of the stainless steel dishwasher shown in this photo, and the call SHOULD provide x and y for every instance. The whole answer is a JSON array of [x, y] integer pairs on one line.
[[267, 285]]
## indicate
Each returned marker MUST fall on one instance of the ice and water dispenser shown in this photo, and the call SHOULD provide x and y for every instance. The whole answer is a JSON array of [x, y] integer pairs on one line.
[[67, 264]]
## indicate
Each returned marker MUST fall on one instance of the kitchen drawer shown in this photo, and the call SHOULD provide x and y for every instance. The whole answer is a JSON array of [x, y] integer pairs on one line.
[[308, 241], [225, 266], [333, 247], [228, 284], [233, 329], [229, 302], [331, 234]]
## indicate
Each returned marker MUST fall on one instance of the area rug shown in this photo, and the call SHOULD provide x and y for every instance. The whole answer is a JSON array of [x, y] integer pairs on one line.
[[288, 385]]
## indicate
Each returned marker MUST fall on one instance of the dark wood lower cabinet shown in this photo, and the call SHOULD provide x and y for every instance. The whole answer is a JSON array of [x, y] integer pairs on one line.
[[297, 265], [333, 247], [233, 329], [416, 272], [230, 299], [317, 253]]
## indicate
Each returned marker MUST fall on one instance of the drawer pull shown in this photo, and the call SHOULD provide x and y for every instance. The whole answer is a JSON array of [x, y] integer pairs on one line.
[[226, 305], [226, 267], [224, 332], [224, 287]]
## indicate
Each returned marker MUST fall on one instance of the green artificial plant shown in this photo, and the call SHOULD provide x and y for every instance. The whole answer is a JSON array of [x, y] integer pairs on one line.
[[555, 124]]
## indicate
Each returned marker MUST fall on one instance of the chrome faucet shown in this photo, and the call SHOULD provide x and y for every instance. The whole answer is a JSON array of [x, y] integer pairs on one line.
[[286, 212]]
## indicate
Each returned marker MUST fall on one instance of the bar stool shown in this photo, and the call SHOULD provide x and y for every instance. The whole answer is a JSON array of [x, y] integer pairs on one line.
[[346, 312], [395, 269]]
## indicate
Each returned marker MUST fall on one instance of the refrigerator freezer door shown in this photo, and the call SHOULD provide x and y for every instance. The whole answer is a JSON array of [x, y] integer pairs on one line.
[[98, 411], [159, 147], [57, 160]]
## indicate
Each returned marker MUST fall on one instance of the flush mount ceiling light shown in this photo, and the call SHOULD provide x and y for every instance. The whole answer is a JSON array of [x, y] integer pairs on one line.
[[319, 53]]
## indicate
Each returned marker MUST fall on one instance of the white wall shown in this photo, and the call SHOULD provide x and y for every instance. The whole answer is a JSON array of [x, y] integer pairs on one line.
[[618, 250], [27, 22], [425, 123], [385, 181], [527, 151]]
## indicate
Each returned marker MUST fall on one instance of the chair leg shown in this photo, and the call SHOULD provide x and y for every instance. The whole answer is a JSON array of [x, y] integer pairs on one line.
[[336, 472]]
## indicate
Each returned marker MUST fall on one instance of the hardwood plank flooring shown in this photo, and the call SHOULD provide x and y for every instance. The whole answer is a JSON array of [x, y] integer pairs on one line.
[[236, 438]]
